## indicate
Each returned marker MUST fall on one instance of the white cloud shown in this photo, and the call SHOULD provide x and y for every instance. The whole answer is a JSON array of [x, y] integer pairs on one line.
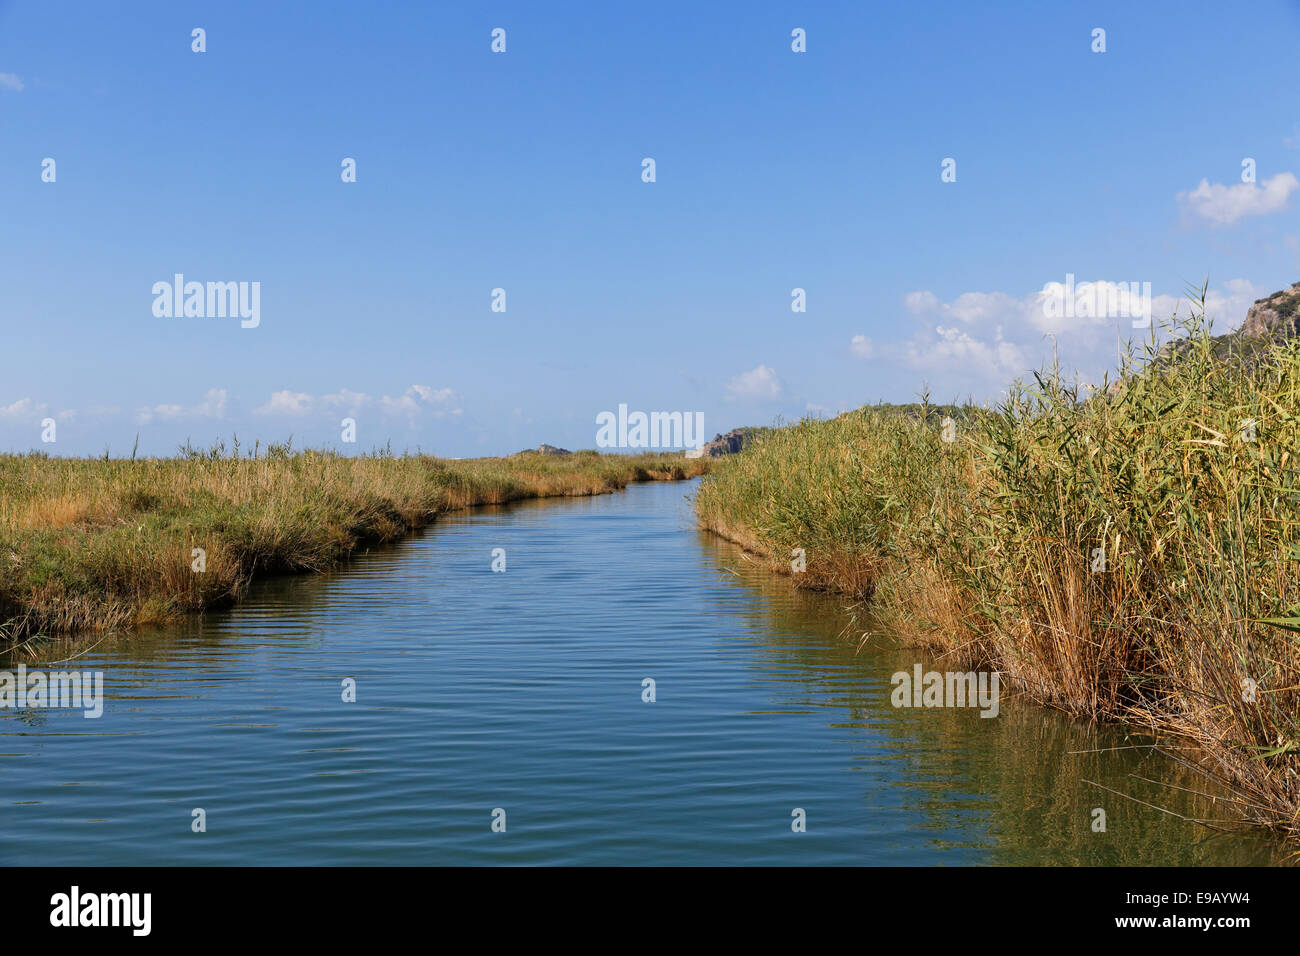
[[286, 403], [428, 394], [758, 383], [416, 400], [345, 400], [979, 342], [952, 348], [21, 410], [212, 406], [973, 309], [11, 83], [1226, 204], [438, 402]]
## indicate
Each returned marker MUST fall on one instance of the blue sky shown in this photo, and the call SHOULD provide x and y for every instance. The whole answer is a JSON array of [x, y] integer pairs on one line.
[[775, 170]]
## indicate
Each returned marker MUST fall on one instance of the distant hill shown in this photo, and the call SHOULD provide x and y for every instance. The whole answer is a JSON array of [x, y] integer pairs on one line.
[[544, 449], [1272, 320], [924, 411], [729, 444]]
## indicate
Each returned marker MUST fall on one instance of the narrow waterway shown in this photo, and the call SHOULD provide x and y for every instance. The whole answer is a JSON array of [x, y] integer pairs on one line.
[[523, 690]]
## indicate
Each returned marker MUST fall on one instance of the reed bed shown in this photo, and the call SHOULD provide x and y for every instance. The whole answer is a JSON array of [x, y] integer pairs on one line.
[[100, 544], [1128, 552]]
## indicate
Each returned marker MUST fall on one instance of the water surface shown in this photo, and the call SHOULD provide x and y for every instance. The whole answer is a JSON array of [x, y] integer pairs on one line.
[[522, 690]]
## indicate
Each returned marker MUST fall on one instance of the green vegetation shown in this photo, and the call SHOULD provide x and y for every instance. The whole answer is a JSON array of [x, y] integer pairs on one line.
[[1128, 553], [102, 544]]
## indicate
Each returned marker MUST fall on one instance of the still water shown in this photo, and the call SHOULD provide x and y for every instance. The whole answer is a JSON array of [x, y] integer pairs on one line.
[[522, 691]]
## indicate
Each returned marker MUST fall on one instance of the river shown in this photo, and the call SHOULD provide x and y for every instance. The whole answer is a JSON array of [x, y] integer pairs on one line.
[[522, 691]]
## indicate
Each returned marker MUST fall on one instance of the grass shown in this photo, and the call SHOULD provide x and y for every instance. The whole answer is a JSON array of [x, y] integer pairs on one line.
[[1127, 553], [100, 544]]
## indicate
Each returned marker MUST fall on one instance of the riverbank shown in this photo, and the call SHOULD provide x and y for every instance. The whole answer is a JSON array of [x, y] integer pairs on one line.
[[96, 544], [1129, 553]]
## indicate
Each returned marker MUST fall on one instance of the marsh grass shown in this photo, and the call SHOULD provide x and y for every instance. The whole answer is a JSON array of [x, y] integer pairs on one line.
[[989, 549], [101, 544]]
